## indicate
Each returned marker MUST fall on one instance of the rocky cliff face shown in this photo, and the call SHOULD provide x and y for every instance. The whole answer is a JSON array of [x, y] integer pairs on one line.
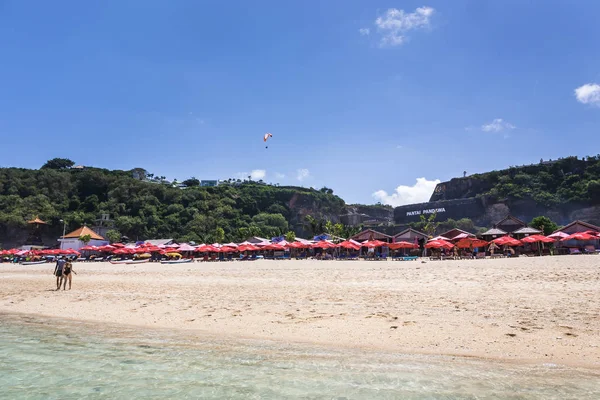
[[459, 188], [301, 205], [357, 214]]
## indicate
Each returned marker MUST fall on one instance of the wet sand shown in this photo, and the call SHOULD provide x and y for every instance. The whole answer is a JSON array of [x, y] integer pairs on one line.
[[540, 310]]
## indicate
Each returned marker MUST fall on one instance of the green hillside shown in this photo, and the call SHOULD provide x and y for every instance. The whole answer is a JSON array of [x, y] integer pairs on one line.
[[552, 183], [150, 207], [549, 183]]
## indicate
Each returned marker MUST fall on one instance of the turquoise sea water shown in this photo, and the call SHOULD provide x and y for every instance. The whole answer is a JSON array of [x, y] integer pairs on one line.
[[49, 358]]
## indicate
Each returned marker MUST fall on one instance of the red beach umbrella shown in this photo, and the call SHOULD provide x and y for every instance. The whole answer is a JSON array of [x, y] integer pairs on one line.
[[72, 252], [186, 247], [402, 245], [580, 236], [438, 244], [205, 249], [348, 245], [374, 243], [470, 242], [301, 245], [507, 240], [274, 246], [323, 244], [227, 249], [537, 238], [248, 247]]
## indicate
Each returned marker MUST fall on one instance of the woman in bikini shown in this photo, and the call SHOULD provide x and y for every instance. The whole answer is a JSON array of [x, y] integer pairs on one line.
[[67, 274]]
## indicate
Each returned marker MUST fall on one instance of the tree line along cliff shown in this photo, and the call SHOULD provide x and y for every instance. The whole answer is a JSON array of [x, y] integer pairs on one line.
[[144, 208]]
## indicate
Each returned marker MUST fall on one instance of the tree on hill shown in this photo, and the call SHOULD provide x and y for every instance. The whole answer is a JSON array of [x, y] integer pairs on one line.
[[58, 163], [545, 224], [312, 224], [219, 235], [113, 236], [429, 226], [143, 210], [191, 182], [290, 236], [85, 238]]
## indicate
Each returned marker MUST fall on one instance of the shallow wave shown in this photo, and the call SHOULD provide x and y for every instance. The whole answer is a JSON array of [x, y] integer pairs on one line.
[[51, 358]]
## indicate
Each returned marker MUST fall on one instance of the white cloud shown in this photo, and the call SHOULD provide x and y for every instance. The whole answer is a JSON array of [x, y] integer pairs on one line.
[[395, 24], [364, 31], [303, 174], [255, 174], [258, 174], [588, 94], [420, 192], [279, 175], [497, 125]]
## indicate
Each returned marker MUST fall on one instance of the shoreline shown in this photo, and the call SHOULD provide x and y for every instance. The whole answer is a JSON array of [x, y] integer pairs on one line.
[[384, 307], [195, 336]]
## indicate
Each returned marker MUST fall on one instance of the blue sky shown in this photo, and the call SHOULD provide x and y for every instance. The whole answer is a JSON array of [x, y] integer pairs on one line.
[[360, 96]]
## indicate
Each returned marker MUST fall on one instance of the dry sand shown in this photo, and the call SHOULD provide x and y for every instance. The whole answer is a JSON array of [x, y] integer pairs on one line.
[[526, 309]]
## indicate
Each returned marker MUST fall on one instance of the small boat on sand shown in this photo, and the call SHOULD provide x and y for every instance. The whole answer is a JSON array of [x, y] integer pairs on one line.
[[33, 262], [127, 262], [182, 261]]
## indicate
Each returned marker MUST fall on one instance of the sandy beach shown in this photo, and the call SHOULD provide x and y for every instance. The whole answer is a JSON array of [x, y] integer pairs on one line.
[[527, 309]]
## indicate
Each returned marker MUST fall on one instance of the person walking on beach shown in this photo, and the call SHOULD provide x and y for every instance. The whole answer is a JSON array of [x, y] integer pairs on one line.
[[68, 272], [58, 272]]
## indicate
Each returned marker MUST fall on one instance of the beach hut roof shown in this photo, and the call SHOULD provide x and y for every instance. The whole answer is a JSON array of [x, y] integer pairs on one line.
[[304, 241], [510, 224], [578, 226], [410, 230], [256, 239], [527, 230], [84, 230], [160, 242], [493, 231], [327, 236], [370, 234], [453, 233], [36, 220]]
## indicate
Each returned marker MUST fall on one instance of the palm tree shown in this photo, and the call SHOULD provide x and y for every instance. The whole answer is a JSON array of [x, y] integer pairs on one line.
[[85, 239]]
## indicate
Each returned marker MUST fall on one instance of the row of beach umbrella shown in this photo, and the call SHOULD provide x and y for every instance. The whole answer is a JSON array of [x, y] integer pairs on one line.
[[468, 242], [120, 249], [436, 243], [45, 252]]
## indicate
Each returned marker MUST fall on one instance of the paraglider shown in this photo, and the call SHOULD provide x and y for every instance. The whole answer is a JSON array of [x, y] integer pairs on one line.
[[266, 137]]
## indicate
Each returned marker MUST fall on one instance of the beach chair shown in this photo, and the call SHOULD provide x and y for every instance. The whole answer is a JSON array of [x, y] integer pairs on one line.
[[409, 258], [574, 250], [590, 249]]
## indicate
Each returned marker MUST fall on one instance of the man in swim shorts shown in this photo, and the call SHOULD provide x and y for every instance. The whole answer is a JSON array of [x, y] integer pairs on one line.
[[58, 271]]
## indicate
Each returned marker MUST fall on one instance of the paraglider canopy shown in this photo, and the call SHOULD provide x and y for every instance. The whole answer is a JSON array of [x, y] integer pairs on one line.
[[266, 137]]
